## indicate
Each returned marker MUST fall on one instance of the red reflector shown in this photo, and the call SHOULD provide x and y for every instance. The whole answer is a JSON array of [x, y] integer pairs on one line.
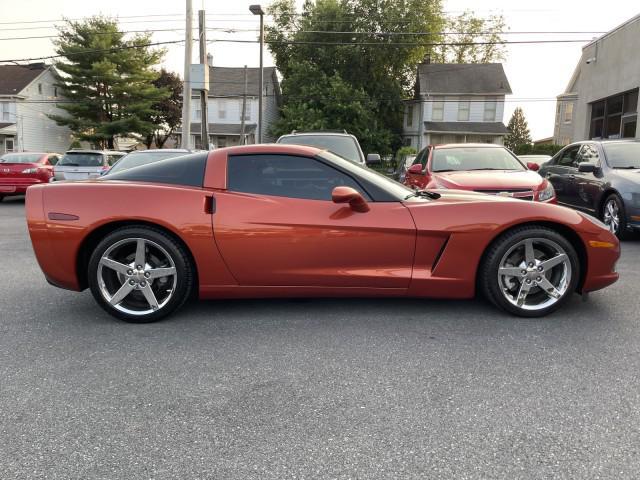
[[63, 216]]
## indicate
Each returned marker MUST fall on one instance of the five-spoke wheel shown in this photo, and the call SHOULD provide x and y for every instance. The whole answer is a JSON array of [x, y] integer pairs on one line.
[[613, 215], [140, 274], [530, 271]]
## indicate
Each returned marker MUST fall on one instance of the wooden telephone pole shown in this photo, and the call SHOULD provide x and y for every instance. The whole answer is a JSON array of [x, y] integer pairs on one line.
[[204, 121]]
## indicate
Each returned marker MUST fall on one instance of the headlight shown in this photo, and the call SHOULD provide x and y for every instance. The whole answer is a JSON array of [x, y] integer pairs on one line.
[[30, 170], [547, 193]]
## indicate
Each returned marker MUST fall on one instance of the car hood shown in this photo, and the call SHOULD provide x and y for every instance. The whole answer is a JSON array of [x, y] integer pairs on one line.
[[489, 180]]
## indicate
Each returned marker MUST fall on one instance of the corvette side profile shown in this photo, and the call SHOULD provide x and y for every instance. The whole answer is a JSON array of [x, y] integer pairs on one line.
[[296, 221]]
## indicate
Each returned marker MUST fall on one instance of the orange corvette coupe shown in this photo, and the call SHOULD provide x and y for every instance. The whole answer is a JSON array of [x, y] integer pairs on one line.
[[286, 220]]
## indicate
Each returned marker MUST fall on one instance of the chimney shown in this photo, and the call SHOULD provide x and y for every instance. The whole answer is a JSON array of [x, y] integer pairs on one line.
[[209, 59]]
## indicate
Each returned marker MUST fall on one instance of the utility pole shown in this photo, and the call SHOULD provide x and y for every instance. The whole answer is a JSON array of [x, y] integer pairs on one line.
[[186, 90], [244, 109], [202, 28], [257, 10]]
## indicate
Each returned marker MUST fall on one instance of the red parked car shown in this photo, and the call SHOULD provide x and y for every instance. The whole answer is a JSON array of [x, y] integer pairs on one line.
[[291, 221], [482, 168], [21, 170]]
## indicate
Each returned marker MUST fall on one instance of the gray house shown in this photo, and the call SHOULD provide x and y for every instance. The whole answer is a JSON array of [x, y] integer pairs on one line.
[[225, 103], [456, 103], [27, 96], [601, 99]]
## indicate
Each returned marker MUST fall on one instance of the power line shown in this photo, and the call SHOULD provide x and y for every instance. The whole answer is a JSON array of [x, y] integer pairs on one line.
[[84, 52], [406, 44]]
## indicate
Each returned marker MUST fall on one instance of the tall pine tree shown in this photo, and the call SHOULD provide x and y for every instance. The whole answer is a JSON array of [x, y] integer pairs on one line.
[[518, 131], [109, 80]]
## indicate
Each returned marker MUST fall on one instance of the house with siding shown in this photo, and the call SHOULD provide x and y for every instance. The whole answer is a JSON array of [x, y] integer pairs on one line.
[[27, 95], [227, 94], [601, 98], [456, 103]]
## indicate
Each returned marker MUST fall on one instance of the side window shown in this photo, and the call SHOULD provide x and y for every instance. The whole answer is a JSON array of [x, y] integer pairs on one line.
[[568, 158], [589, 153], [111, 159], [286, 176], [53, 159]]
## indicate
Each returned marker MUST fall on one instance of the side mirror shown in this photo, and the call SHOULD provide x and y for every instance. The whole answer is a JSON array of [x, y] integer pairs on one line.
[[415, 169], [373, 159], [586, 167], [351, 196], [533, 166]]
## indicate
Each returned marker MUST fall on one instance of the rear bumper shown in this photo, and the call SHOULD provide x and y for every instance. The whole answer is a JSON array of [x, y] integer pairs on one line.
[[18, 186]]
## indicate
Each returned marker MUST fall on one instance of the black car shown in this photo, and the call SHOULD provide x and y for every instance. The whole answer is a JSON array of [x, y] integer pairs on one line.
[[601, 178]]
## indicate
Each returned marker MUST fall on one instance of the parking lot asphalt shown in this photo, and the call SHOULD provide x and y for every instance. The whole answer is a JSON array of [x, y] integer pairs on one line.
[[349, 388]]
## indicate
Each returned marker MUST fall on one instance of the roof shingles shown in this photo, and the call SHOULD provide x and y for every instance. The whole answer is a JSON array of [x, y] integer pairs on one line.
[[14, 78], [463, 78]]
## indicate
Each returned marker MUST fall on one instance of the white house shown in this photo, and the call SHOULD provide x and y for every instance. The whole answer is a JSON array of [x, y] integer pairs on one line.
[[227, 94], [601, 99], [27, 96], [456, 103]]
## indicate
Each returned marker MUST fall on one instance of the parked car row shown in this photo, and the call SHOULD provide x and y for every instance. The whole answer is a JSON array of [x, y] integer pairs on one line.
[[21, 170]]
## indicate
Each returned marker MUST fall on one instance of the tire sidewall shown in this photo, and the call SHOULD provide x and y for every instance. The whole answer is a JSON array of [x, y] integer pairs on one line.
[[490, 277], [622, 216], [184, 281]]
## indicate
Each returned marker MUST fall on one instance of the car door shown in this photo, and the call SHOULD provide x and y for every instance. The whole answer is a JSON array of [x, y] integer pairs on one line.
[[588, 185], [276, 225], [561, 172]]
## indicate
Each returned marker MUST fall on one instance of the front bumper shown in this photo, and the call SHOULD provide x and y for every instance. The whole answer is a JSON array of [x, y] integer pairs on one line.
[[603, 252]]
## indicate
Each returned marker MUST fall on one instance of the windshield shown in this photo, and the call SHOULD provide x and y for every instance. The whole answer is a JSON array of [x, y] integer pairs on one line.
[[622, 155], [342, 145], [137, 159], [20, 158], [396, 189], [81, 159], [473, 158]]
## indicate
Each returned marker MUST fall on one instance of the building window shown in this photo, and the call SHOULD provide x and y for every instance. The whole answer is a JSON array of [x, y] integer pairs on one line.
[[247, 110], [568, 113], [437, 115], [615, 116], [463, 110], [490, 106], [409, 115], [9, 145], [40, 88], [558, 113], [222, 109], [55, 91], [197, 112]]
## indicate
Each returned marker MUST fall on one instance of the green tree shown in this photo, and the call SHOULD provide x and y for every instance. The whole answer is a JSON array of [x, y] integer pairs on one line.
[[326, 102], [472, 39], [519, 134], [377, 67], [108, 79], [166, 114]]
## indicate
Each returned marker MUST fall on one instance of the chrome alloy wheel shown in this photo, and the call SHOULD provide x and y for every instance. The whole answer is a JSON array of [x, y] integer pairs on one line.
[[136, 276], [611, 216], [534, 274]]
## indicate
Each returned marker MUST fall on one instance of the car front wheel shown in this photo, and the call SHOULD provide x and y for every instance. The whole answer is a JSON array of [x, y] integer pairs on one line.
[[140, 274], [613, 215], [530, 271]]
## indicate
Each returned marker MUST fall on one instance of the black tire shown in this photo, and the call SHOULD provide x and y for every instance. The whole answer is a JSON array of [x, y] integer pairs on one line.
[[1, 198], [184, 272], [622, 232], [489, 279]]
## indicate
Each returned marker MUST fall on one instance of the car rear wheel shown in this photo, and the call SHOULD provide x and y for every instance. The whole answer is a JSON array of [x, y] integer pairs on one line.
[[1, 198], [140, 274], [613, 215], [530, 271]]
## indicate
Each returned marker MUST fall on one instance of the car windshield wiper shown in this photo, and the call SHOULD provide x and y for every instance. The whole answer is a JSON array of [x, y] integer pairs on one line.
[[489, 168], [449, 170], [630, 167], [423, 194], [69, 164]]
